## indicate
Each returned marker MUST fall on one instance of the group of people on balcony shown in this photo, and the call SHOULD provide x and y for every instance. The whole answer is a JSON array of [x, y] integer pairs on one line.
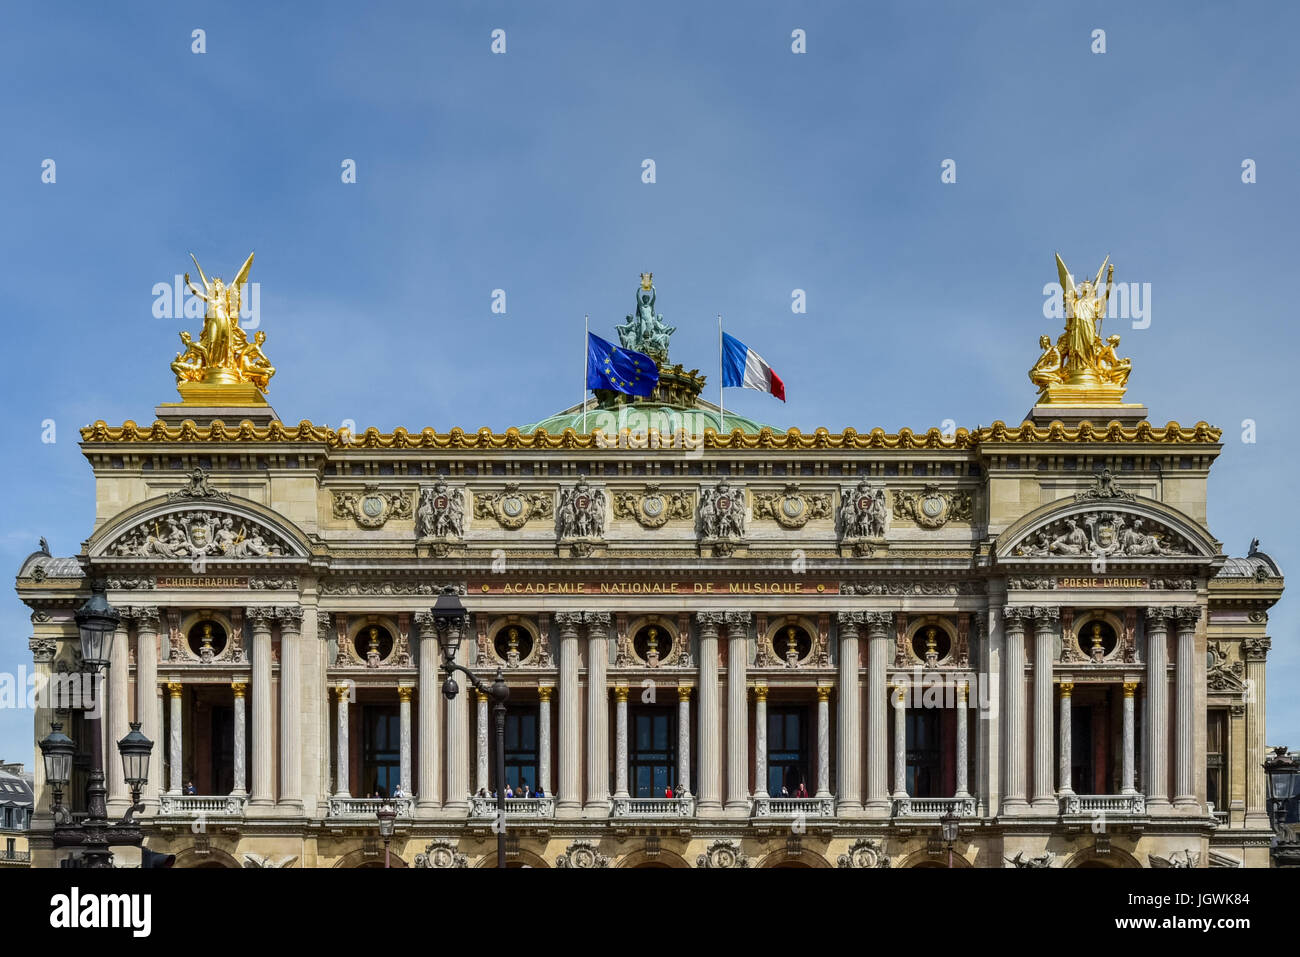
[[523, 791]]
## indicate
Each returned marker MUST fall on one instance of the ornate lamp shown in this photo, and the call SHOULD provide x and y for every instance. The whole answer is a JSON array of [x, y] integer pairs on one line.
[[136, 750], [449, 619], [1281, 769], [949, 824], [96, 620], [387, 819], [57, 750]]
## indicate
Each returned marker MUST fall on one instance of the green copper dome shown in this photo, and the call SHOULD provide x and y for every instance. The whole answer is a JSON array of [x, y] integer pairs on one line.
[[643, 416]]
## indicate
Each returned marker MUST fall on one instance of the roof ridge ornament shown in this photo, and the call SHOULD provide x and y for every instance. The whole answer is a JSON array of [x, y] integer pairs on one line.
[[1103, 487], [198, 486]]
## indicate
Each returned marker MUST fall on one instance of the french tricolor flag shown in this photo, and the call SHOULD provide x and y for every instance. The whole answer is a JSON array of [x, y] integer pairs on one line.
[[746, 369]]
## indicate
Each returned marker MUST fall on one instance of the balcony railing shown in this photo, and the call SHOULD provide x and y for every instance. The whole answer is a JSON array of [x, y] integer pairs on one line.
[[481, 808], [1134, 805], [934, 807], [202, 805], [15, 857], [765, 806], [366, 807], [660, 808]]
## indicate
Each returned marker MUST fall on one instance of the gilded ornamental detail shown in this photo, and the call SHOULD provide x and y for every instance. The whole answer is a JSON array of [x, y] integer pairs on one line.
[[932, 507]]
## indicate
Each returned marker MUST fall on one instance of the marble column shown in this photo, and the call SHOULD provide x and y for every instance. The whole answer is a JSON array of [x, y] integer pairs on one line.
[[1013, 710], [175, 736], [683, 740], [1046, 619], [709, 786], [848, 772], [597, 713], [239, 692], [341, 754], [569, 794], [1185, 702], [291, 716], [456, 803], [620, 742], [429, 774], [544, 739], [963, 738], [482, 779], [1156, 717], [899, 701], [1126, 784], [1255, 652], [760, 740], [878, 651], [823, 741], [261, 619], [737, 713], [1065, 760], [404, 739], [118, 719], [146, 695]]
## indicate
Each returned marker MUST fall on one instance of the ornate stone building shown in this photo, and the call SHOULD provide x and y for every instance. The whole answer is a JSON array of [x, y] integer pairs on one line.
[[822, 642]]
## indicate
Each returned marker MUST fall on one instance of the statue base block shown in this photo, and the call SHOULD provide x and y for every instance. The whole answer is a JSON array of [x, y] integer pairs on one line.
[[1127, 414], [231, 403], [210, 394]]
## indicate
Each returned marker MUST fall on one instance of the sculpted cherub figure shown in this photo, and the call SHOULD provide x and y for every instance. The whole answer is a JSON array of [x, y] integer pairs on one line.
[[253, 363], [1111, 366], [1047, 369], [189, 365]]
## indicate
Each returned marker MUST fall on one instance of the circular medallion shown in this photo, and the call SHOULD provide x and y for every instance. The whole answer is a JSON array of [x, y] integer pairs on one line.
[[583, 502], [932, 506], [652, 505], [372, 505], [792, 506], [512, 505]]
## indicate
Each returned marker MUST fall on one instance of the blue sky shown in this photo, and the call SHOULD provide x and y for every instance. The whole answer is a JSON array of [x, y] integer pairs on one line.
[[774, 171]]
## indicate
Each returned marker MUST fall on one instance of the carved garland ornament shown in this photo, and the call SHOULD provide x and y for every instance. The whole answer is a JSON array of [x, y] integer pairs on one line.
[[195, 534], [513, 508], [791, 508], [933, 508], [371, 507], [653, 507]]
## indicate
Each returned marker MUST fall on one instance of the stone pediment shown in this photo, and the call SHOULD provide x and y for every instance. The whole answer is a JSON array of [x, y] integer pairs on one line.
[[1088, 529], [215, 530]]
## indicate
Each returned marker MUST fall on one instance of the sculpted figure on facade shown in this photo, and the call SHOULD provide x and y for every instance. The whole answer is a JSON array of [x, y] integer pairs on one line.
[[581, 512], [441, 513], [722, 512], [864, 513], [645, 330], [194, 534], [1102, 533]]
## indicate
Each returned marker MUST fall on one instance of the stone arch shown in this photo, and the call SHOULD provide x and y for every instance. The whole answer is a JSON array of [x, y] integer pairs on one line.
[[191, 857], [295, 543], [520, 858], [1201, 545], [923, 858], [643, 858], [505, 622], [775, 628], [917, 624], [677, 641], [359, 858], [783, 858], [1088, 857]]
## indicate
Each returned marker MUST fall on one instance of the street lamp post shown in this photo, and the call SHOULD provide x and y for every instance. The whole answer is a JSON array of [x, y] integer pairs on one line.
[[95, 834], [449, 619], [949, 823], [1282, 770], [387, 818]]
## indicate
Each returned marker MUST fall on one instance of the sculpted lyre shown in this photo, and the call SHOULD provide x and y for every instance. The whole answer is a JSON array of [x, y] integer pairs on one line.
[[223, 356]]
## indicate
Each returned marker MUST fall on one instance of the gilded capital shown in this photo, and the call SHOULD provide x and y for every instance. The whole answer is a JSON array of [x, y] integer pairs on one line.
[[1067, 688], [1130, 688], [239, 688], [544, 693], [175, 688], [620, 694], [760, 692], [823, 693]]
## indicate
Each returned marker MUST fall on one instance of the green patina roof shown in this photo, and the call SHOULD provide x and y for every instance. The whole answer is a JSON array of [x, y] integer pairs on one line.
[[640, 417]]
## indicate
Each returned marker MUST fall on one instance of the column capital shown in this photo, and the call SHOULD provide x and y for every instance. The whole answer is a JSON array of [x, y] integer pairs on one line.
[[823, 692], [709, 622], [405, 692], [620, 694], [239, 688], [850, 623], [1067, 688], [963, 692], [290, 617], [760, 691], [480, 696], [597, 623], [147, 617], [544, 692], [1045, 616], [175, 688], [738, 620], [1256, 649], [1130, 688], [568, 622], [342, 692], [1017, 616], [683, 691], [1158, 617], [260, 617], [1188, 616], [878, 623], [325, 624]]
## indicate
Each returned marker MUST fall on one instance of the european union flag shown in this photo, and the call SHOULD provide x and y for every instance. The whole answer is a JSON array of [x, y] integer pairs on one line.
[[609, 367]]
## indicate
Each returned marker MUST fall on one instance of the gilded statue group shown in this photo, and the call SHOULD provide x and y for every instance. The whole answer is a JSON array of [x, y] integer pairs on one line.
[[1080, 355], [223, 354]]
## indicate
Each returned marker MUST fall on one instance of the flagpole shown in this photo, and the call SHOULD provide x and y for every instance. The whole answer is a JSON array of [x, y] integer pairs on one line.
[[586, 320], [722, 415]]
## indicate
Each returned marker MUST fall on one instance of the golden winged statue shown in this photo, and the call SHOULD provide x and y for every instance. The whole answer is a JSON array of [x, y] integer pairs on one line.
[[223, 364], [1081, 367]]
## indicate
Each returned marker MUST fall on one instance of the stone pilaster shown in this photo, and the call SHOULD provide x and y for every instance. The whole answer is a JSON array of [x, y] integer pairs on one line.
[[878, 651], [1013, 710], [597, 803], [1065, 766], [239, 694], [569, 795], [710, 765], [1157, 710], [146, 695], [1046, 622], [263, 730], [620, 742], [544, 738], [1129, 740], [1185, 726], [1255, 651], [737, 713], [848, 772], [429, 775], [291, 714]]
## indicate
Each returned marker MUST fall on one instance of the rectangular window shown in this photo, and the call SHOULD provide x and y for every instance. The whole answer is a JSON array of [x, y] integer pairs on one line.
[[381, 762], [521, 746], [788, 761], [1216, 758], [923, 753], [652, 761]]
